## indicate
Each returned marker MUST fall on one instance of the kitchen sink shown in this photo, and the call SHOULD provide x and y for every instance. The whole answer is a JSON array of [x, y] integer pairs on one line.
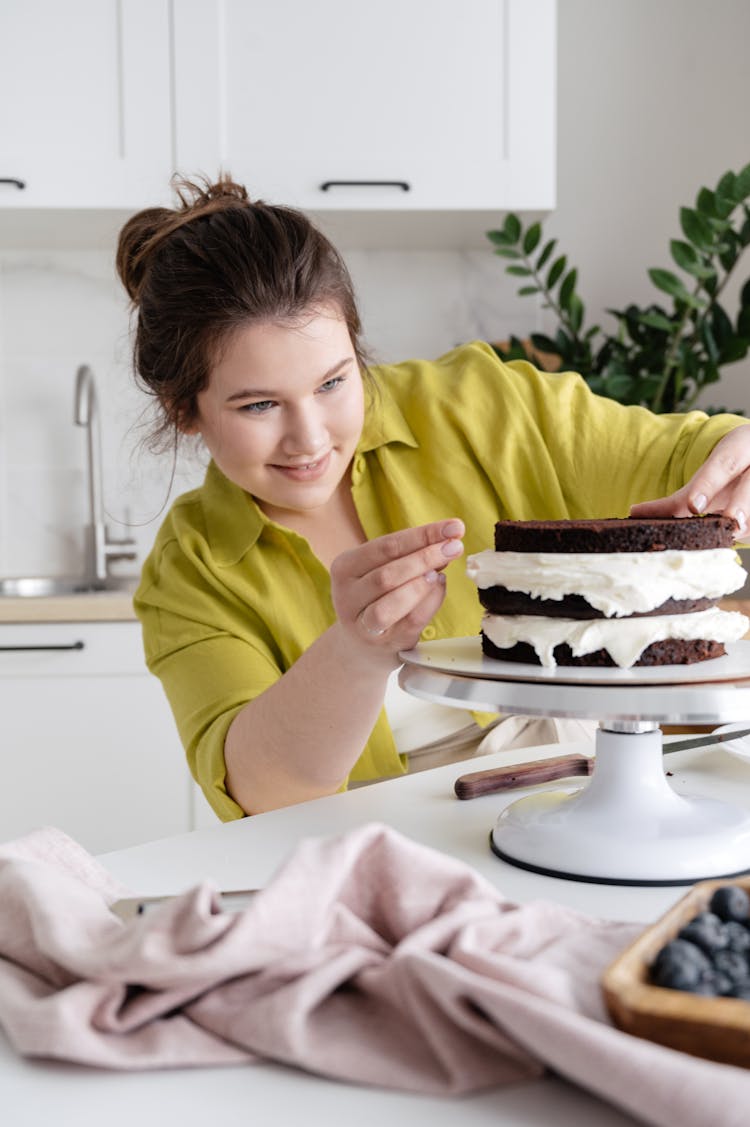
[[40, 586]]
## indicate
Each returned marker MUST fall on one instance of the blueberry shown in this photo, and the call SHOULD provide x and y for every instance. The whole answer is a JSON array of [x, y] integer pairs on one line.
[[730, 902], [705, 931], [737, 935], [732, 964], [680, 965], [741, 990]]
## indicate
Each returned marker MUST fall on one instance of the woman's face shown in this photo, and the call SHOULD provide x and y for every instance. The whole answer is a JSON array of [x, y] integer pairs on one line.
[[283, 411]]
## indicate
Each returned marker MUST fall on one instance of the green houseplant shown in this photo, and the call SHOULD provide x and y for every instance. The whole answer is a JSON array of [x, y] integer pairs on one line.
[[661, 356]]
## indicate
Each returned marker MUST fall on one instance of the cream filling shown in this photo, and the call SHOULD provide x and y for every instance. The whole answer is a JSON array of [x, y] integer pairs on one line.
[[625, 639], [615, 583]]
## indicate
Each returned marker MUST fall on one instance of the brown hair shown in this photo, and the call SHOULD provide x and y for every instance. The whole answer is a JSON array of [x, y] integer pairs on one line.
[[214, 263]]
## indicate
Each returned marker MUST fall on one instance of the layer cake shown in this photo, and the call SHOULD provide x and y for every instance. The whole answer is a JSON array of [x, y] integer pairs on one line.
[[615, 592]]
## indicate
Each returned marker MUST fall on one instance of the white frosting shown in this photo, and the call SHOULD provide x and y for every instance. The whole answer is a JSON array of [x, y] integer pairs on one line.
[[615, 583], [624, 639]]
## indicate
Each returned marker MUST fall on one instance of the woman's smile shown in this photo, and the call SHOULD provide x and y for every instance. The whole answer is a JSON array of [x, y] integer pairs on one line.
[[307, 471]]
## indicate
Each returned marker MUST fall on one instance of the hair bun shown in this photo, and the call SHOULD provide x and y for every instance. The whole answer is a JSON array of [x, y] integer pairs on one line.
[[197, 195], [137, 237], [145, 230]]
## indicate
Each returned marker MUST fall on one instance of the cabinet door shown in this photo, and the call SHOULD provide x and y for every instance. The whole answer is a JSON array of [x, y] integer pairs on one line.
[[88, 742], [422, 105], [85, 117]]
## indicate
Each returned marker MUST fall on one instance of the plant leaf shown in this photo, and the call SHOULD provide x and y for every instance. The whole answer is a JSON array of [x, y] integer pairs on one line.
[[507, 252], [556, 270], [696, 228], [567, 289], [727, 187], [543, 257], [512, 227], [525, 291], [575, 311], [705, 202], [618, 386], [656, 321], [518, 271], [724, 207], [742, 183], [668, 282], [500, 238], [544, 343], [532, 237]]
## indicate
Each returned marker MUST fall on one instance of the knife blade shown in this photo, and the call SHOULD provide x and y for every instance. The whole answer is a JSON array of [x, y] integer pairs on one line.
[[479, 783], [233, 900]]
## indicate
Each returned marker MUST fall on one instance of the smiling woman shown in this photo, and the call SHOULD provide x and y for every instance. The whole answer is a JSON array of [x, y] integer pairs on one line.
[[282, 415], [328, 533]]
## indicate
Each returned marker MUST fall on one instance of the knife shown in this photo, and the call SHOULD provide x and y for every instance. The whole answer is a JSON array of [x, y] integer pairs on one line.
[[478, 783], [129, 907]]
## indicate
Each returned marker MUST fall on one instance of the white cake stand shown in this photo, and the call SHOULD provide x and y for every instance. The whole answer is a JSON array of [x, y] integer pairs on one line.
[[626, 825]]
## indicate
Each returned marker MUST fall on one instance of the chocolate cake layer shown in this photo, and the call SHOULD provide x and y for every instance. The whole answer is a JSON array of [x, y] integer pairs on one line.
[[616, 534], [672, 651], [499, 600]]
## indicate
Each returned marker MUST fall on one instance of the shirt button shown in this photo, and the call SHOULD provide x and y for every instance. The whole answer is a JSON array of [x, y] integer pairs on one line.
[[428, 633]]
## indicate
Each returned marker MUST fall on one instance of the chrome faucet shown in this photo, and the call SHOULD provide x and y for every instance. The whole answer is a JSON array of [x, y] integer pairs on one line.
[[98, 548]]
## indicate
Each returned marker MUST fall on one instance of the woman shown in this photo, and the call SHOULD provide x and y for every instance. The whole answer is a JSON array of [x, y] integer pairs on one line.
[[278, 595]]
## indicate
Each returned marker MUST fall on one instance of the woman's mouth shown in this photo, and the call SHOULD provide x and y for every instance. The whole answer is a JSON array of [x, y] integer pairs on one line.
[[306, 471]]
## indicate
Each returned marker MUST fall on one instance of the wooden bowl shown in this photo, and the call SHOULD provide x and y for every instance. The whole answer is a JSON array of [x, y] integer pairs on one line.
[[715, 1028]]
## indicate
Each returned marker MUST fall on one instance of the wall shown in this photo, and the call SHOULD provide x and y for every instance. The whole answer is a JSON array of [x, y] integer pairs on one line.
[[653, 98]]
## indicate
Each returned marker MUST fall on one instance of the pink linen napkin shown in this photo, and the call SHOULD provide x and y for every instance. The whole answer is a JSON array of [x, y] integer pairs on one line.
[[368, 958]]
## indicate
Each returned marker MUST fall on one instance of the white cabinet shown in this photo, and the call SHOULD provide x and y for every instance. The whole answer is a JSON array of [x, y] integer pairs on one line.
[[85, 115], [88, 741], [394, 105]]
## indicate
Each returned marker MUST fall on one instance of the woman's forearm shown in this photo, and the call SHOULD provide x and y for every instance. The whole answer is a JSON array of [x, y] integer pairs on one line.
[[300, 738]]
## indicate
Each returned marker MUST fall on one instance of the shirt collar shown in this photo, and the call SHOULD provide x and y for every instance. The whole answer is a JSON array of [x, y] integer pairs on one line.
[[234, 521]]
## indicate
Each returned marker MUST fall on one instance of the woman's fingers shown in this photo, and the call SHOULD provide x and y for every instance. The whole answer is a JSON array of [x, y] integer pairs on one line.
[[393, 585], [406, 610], [721, 485], [426, 547]]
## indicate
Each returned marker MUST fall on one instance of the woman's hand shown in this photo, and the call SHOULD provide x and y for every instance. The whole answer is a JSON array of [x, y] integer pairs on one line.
[[386, 591], [721, 485]]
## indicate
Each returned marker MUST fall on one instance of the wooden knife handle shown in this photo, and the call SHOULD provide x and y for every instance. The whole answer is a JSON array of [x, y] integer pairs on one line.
[[479, 783]]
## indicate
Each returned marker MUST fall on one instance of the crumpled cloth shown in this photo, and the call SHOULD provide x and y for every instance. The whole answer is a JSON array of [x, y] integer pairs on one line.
[[369, 958]]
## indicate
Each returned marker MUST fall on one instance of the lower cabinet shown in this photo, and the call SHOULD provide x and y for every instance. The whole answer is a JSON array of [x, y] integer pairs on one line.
[[87, 739]]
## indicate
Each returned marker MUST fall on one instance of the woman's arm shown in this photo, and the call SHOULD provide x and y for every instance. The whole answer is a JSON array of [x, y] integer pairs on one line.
[[300, 738], [721, 485]]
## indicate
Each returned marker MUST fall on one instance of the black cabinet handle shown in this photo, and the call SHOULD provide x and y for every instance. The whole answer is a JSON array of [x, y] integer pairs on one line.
[[402, 184], [45, 648], [21, 184]]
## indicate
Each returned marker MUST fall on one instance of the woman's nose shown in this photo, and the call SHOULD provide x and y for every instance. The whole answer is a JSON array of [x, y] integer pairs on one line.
[[306, 434]]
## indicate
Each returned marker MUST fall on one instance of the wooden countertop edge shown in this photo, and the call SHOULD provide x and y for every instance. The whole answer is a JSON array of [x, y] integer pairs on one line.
[[117, 606], [99, 606]]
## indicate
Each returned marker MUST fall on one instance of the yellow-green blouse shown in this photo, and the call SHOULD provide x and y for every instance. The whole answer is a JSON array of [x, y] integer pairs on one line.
[[229, 600]]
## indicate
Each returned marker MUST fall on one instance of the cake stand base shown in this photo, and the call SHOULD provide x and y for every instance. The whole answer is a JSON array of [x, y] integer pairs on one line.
[[626, 826]]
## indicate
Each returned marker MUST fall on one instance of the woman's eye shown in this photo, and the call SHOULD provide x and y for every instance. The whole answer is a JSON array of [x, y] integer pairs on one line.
[[258, 408], [334, 382]]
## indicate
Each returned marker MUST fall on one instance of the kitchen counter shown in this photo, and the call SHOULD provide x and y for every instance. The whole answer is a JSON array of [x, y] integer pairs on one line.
[[117, 606], [245, 854], [91, 606]]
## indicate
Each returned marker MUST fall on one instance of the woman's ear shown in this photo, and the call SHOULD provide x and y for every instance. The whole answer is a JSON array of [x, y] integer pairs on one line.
[[187, 420]]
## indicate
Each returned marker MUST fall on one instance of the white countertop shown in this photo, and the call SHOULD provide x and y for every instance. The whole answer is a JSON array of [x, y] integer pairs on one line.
[[246, 854]]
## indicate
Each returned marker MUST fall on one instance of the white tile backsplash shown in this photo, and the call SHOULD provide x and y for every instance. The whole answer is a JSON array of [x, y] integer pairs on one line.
[[62, 308]]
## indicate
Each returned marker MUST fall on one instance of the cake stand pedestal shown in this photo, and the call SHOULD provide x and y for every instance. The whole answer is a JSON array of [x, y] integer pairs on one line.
[[626, 825]]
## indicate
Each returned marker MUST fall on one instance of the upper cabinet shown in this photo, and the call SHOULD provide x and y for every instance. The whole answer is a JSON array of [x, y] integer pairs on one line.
[[330, 104], [85, 113], [425, 106]]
